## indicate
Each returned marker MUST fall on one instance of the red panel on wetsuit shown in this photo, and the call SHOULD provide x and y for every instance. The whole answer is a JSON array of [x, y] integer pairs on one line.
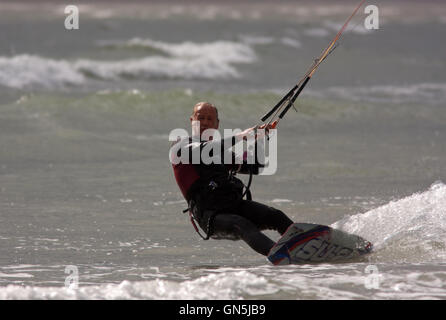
[[185, 175]]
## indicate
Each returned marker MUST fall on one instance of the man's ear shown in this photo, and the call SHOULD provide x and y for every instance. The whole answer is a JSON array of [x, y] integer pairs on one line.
[[218, 122]]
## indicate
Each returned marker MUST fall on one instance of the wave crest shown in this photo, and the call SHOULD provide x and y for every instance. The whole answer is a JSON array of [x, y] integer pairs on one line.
[[186, 60]]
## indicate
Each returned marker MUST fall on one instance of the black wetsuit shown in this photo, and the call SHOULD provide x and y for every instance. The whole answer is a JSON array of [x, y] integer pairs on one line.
[[215, 199]]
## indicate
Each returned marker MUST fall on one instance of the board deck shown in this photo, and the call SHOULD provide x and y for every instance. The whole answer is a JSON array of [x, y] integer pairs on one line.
[[314, 243]]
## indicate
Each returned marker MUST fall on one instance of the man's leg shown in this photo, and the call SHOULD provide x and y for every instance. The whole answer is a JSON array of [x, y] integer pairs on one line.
[[235, 227], [264, 217]]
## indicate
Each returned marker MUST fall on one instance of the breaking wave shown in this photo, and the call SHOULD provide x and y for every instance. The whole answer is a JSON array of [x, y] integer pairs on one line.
[[187, 60]]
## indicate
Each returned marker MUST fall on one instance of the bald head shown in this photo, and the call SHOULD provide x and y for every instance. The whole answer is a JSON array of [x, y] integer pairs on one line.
[[206, 113], [205, 105]]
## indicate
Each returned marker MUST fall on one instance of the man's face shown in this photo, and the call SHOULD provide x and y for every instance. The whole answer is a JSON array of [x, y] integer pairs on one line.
[[207, 116]]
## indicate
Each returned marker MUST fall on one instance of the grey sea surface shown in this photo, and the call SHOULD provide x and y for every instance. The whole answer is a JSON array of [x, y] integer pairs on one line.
[[85, 116]]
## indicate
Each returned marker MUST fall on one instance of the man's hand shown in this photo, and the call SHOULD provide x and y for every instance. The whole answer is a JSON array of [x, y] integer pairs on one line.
[[269, 126], [266, 127]]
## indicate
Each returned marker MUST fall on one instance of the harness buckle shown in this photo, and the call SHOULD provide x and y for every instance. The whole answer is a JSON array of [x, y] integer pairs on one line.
[[213, 185]]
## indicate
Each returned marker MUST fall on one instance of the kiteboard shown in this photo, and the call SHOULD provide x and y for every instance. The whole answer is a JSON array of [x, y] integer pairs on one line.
[[314, 243]]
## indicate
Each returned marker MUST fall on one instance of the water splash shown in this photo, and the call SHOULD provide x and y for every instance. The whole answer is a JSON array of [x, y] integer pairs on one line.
[[412, 229]]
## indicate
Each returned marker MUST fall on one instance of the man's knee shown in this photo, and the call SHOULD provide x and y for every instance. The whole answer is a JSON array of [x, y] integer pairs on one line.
[[232, 226], [279, 220]]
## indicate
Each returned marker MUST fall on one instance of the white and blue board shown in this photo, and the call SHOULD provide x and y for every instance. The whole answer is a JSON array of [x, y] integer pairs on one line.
[[314, 243]]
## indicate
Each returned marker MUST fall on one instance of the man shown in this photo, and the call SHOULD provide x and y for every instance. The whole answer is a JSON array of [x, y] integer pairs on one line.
[[215, 196]]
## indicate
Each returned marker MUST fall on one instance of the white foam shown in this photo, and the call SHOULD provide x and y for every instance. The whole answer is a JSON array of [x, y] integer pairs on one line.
[[15, 275], [159, 67], [281, 201], [317, 32], [410, 229], [24, 70], [227, 285], [357, 28], [290, 42], [185, 60], [19, 266]]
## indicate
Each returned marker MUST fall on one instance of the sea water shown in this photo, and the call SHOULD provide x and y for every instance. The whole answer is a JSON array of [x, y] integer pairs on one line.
[[89, 208]]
